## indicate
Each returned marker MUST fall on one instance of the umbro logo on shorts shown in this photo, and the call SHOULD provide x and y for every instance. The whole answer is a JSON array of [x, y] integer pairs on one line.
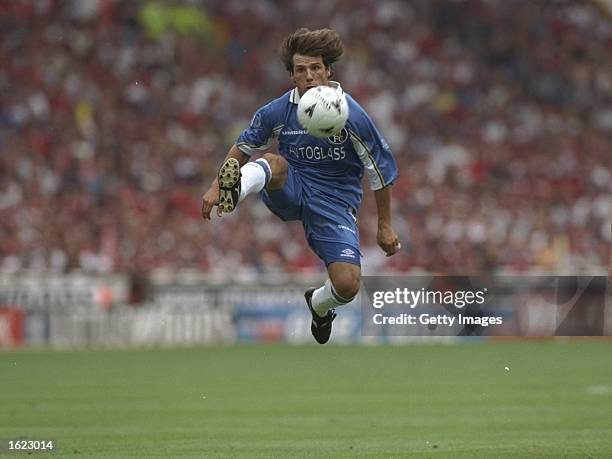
[[347, 253]]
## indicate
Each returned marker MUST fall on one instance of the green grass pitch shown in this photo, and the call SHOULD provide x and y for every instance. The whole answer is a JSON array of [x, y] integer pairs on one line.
[[314, 401]]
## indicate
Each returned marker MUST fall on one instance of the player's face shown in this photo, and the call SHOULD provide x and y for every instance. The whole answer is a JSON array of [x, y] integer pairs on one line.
[[308, 72]]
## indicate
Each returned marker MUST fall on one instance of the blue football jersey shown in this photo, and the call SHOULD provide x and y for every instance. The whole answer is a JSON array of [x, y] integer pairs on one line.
[[330, 166]]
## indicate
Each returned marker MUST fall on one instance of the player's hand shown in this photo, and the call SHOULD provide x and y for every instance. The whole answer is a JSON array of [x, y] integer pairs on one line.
[[387, 239], [210, 200]]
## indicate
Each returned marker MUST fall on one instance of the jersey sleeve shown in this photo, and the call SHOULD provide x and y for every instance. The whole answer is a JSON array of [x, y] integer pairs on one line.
[[258, 135], [372, 149]]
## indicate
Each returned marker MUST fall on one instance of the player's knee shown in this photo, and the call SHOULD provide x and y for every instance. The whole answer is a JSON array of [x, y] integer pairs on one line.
[[278, 164], [347, 283], [278, 167]]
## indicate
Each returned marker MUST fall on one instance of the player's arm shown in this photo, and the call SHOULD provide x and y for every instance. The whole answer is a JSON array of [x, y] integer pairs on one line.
[[386, 236], [381, 170], [211, 197]]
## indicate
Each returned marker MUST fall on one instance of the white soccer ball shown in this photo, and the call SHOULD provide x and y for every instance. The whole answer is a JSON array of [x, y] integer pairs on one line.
[[323, 111]]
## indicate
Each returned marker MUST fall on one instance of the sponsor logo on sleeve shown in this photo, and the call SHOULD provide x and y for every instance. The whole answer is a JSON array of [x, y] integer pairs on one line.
[[256, 121], [346, 228]]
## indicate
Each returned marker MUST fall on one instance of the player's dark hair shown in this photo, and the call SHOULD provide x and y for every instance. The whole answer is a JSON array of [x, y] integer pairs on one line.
[[322, 42]]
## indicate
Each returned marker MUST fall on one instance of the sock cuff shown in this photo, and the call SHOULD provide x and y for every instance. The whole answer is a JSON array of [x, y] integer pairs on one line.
[[339, 298], [266, 168]]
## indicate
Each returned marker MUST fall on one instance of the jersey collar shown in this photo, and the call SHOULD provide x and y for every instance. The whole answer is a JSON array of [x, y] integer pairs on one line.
[[294, 97]]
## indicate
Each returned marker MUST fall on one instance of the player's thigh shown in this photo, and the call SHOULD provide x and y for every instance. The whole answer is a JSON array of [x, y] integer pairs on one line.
[[331, 231]]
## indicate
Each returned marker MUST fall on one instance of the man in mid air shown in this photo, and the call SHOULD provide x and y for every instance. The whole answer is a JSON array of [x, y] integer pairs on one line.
[[316, 181]]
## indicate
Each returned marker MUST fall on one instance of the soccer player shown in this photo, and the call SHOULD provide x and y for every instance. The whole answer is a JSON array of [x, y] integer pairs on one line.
[[316, 181]]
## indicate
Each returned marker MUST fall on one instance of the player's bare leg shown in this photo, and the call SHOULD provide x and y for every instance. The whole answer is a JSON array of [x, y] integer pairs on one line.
[[345, 278]]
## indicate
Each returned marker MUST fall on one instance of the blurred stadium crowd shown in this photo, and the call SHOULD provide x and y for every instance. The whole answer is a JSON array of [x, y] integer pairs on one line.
[[114, 116]]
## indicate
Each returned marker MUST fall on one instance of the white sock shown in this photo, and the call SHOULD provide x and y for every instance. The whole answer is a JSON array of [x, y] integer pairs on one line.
[[255, 175], [325, 298]]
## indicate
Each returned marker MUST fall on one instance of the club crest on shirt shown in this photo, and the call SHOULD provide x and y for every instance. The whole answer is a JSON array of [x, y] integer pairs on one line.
[[339, 138]]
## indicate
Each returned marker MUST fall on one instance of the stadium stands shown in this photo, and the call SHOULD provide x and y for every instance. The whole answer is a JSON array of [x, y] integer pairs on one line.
[[114, 116]]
